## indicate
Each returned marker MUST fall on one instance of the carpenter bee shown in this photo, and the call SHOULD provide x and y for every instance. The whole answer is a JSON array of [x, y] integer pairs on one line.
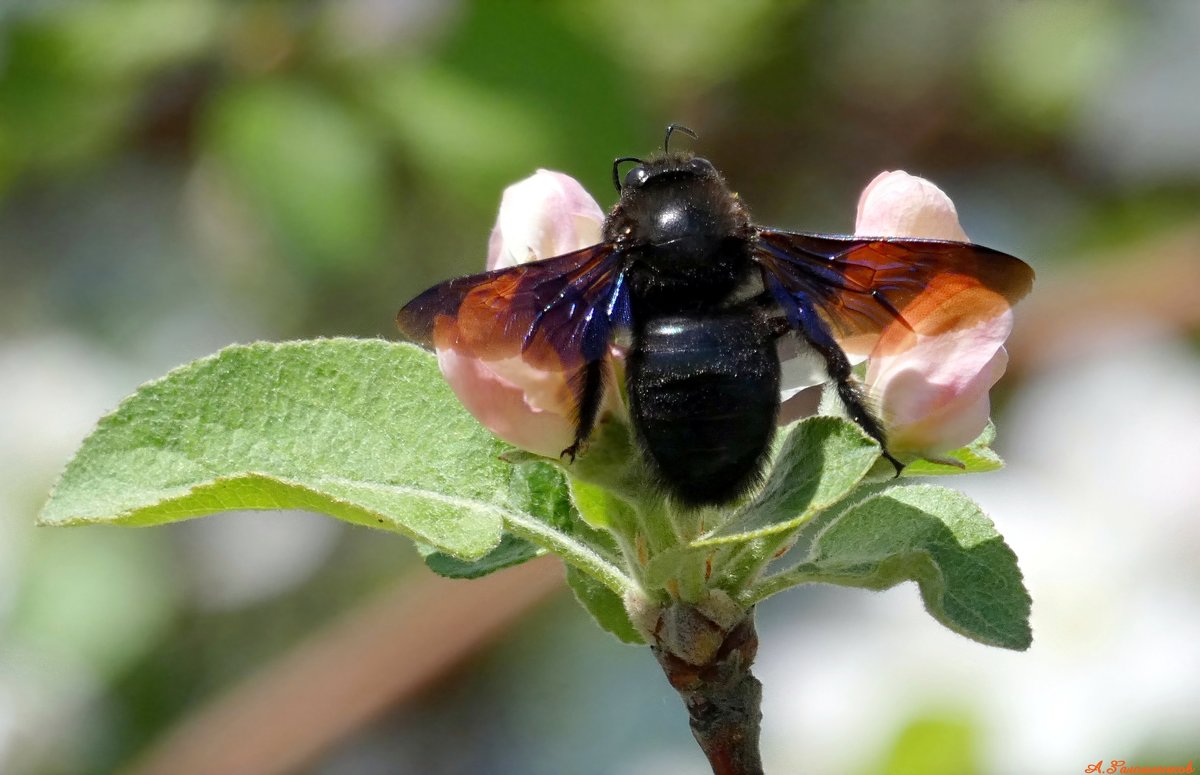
[[701, 295]]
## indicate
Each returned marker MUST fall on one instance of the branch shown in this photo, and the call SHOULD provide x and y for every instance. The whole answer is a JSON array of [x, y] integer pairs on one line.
[[724, 701]]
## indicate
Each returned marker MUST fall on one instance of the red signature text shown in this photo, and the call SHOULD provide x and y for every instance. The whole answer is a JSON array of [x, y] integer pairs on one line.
[[1122, 767]]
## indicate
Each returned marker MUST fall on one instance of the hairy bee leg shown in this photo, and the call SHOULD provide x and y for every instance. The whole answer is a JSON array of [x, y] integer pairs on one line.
[[590, 392], [851, 396], [814, 331]]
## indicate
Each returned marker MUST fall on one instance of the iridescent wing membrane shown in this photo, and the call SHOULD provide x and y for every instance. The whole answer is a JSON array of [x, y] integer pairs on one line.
[[864, 287], [559, 314]]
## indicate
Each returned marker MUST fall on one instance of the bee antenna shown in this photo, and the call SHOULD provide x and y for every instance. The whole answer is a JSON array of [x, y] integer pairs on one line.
[[672, 129], [616, 174]]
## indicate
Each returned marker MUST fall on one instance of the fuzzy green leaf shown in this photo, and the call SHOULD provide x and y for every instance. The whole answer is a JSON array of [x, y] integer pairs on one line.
[[605, 606], [976, 457], [509, 552], [541, 490], [939, 538], [595, 504], [822, 459], [340, 426], [672, 563]]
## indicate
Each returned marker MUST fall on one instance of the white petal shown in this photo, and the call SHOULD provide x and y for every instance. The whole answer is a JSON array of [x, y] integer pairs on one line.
[[545, 215], [896, 204]]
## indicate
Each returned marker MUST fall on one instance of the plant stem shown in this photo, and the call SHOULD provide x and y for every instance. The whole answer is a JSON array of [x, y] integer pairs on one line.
[[765, 587], [710, 668], [570, 550]]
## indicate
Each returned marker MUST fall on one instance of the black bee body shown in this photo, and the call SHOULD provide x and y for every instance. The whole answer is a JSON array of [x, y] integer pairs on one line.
[[702, 373], [704, 395]]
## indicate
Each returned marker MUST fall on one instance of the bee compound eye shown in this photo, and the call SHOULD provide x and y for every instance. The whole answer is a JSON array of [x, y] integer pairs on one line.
[[636, 177], [701, 167]]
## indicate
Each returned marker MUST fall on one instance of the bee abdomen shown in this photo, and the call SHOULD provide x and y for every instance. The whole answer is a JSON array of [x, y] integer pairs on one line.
[[704, 393]]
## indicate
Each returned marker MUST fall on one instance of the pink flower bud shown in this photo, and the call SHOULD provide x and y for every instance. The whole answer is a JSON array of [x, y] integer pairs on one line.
[[896, 204], [545, 215], [933, 396], [542, 216]]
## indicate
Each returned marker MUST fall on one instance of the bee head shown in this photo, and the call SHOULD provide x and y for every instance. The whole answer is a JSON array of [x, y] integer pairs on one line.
[[682, 232], [663, 166], [669, 166]]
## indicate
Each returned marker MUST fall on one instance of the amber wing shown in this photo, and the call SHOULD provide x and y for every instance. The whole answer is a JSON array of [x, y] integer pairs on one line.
[[864, 287], [558, 314]]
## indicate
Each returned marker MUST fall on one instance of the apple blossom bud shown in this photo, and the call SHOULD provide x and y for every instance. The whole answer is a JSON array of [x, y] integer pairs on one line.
[[545, 215], [933, 396], [896, 204]]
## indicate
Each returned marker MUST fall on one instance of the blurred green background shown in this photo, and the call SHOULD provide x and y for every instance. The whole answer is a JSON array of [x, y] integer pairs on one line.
[[177, 175]]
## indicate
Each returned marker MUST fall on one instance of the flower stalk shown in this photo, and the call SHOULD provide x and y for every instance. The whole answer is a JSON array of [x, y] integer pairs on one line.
[[713, 678]]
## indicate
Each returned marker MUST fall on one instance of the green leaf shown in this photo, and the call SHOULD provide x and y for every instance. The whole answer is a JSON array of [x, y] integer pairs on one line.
[[364, 430], [602, 510], [509, 552], [939, 538], [672, 563], [822, 459], [976, 457], [605, 606], [541, 490], [595, 504]]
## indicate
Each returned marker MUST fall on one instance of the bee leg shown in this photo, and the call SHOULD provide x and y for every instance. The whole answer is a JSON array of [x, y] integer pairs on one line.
[[814, 331], [588, 387]]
